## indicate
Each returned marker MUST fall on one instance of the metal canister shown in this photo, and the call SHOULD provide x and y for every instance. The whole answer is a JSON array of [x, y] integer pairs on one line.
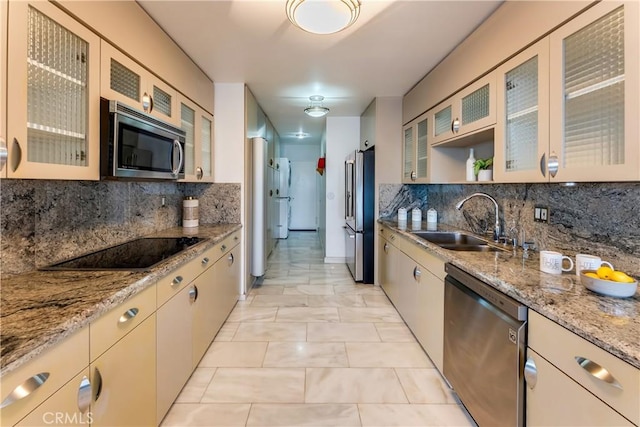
[[190, 214]]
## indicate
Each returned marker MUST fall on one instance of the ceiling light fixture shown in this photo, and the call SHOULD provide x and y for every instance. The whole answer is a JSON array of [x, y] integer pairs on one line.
[[323, 16], [315, 108]]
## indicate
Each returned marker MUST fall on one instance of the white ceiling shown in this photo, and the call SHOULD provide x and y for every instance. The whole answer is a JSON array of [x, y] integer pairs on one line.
[[385, 53]]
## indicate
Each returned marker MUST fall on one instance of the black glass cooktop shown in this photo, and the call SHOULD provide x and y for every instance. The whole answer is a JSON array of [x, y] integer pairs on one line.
[[136, 255]]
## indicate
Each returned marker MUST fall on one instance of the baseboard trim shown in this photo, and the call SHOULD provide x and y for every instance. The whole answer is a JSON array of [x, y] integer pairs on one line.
[[335, 260]]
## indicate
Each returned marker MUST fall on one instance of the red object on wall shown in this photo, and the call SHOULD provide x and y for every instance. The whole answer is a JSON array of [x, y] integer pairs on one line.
[[320, 168]]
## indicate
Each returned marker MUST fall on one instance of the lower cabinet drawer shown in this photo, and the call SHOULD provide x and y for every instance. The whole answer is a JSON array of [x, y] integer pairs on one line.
[[557, 400], [581, 360], [43, 375], [118, 322]]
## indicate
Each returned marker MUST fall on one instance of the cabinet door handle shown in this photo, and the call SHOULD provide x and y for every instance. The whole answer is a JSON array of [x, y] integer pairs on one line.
[[17, 155], [231, 259], [413, 175], [199, 172], [128, 315], [25, 389], [193, 294], [598, 371], [177, 280], [4, 153], [543, 165], [84, 395], [386, 248], [146, 102], [531, 373], [205, 261], [366, 143], [553, 165], [416, 274], [455, 125], [97, 382]]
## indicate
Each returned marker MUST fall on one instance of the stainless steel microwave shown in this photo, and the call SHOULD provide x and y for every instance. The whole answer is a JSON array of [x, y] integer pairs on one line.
[[135, 145]]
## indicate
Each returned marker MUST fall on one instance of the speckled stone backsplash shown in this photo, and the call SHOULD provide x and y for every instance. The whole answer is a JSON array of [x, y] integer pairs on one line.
[[593, 218], [47, 221]]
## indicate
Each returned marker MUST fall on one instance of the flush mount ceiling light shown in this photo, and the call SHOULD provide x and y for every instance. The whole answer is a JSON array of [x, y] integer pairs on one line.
[[315, 108], [323, 16]]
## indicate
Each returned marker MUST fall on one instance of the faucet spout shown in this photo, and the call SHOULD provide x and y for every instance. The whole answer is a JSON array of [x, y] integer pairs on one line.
[[496, 228]]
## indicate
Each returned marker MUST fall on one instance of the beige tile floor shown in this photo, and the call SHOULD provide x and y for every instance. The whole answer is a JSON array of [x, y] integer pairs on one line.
[[310, 347]]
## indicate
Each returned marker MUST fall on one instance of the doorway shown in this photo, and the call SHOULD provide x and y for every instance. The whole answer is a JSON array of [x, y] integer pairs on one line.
[[304, 212]]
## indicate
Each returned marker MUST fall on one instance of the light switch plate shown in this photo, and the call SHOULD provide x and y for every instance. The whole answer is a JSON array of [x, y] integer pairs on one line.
[[541, 214]]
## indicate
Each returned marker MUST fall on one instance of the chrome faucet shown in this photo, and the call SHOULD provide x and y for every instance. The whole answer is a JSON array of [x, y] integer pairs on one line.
[[496, 228]]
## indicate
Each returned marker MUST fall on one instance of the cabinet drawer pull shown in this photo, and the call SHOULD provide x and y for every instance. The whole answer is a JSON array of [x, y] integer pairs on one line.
[[235, 238], [193, 294], [84, 395], [4, 153], [205, 261], [25, 389], [231, 259], [223, 248], [177, 280], [97, 382], [386, 248], [128, 315], [531, 373], [416, 274], [598, 371], [553, 165], [543, 165]]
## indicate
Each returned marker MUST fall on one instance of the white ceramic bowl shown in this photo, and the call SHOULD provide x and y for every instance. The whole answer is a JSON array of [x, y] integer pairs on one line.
[[608, 287]]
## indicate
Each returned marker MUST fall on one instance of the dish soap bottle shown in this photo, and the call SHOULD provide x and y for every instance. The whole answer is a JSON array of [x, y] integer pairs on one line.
[[471, 176]]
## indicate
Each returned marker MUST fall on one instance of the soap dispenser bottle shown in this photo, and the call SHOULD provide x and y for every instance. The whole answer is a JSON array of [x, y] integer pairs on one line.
[[471, 176]]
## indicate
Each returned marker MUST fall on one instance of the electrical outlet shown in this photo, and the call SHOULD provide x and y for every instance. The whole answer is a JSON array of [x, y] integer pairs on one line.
[[541, 214]]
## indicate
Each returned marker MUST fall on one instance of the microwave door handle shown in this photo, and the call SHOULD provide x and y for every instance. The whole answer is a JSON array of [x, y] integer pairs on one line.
[[176, 144]]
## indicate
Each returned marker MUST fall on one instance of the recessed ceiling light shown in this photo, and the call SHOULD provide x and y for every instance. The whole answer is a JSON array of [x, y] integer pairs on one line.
[[315, 108], [323, 16], [301, 135]]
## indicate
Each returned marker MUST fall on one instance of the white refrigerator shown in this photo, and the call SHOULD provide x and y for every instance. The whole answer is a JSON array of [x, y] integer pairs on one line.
[[282, 199]]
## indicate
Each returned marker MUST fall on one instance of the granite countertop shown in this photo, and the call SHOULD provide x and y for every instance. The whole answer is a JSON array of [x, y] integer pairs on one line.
[[40, 308], [612, 324]]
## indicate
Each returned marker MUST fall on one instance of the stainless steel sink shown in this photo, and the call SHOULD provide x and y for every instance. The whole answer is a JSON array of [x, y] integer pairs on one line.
[[456, 241]]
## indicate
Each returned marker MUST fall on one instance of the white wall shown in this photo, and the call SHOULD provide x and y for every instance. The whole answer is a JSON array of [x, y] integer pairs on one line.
[[342, 137], [322, 200], [304, 159], [228, 149]]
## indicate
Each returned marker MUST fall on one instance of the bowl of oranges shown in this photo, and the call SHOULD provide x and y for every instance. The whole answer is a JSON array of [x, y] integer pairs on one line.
[[610, 282]]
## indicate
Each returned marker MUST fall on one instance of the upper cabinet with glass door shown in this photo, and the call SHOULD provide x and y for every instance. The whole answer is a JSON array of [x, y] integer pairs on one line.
[[470, 110], [595, 95], [198, 151], [522, 128], [416, 151], [126, 81], [53, 94]]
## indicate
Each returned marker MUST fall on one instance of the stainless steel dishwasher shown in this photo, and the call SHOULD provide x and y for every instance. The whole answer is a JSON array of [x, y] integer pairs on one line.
[[484, 349]]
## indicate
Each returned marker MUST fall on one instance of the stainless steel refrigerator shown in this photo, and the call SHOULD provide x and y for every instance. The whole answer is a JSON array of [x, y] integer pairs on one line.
[[359, 213]]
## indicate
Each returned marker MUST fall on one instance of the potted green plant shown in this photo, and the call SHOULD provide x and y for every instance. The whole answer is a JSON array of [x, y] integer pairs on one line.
[[481, 168]]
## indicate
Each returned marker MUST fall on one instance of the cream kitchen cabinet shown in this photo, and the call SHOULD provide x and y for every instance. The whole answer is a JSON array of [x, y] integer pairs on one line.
[[124, 80], [388, 263], [124, 380], [595, 95], [415, 152], [69, 406], [576, 383], [413, 279], [468, 111], [53, 67], [198, 152], [368, 127], [522, 128], [27, 387], [4, 11], [123, 363]]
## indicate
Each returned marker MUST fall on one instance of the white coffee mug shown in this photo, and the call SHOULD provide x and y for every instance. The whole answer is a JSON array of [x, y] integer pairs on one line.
[[551, 262], [589, 262]]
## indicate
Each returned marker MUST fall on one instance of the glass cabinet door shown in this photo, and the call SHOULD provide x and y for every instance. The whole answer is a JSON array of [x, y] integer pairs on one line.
[[521, 136], [595, 94], [53, 119], [422, 150], [188, 125], [206, 148], [408, 157]]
